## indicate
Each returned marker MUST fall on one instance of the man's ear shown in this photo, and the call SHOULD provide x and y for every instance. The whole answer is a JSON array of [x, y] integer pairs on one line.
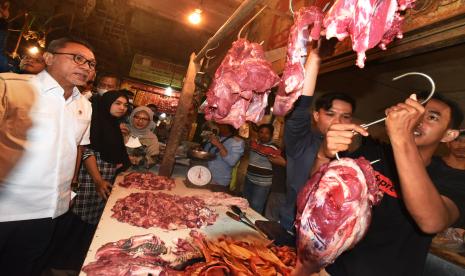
[[48, 57], [450, 135], [316, 116]]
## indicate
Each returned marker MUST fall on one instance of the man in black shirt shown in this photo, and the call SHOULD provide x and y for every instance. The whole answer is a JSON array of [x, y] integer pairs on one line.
[[414, 205]]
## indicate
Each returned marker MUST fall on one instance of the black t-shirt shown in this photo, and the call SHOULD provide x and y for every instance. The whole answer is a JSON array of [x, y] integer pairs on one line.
[[393, 244], [451, 183]]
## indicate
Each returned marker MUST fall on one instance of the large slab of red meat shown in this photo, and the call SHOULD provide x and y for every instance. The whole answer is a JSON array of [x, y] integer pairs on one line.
[[307, 27], [368, 23], [163, 210], [138, 255], [147, 181], [334, 210], [240, 88]]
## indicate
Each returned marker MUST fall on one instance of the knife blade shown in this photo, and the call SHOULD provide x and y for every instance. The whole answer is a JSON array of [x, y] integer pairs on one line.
[[237, 218], [246, 220]]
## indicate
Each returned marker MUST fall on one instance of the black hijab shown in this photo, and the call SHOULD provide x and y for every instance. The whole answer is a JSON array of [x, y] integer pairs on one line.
[[105, 133]]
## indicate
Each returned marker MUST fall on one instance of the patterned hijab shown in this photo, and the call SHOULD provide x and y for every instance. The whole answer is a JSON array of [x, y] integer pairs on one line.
[[144, 132]]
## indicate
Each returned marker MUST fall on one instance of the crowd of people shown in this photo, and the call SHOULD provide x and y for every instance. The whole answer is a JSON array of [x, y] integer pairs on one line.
[[61, 135]]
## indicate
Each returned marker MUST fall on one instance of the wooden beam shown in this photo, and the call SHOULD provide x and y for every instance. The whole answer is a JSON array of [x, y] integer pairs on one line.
[[230, 25], [185, 103]]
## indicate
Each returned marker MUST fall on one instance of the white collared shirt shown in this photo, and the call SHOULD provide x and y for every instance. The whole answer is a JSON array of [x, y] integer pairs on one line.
[[39, 184]]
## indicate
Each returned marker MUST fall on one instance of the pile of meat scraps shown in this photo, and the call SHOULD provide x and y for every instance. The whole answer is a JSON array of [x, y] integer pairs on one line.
[[334, 210], [143, 255], [163, 210], [138, 255], [368, 23], [240, 88], [147, 181]]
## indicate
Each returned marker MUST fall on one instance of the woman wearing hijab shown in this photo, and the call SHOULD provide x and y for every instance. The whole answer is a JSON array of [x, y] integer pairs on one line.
[[100, 161], [140, 127]]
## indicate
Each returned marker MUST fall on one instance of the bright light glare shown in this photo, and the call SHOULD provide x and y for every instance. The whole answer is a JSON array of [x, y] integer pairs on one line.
[[169, 91], [33, 50], [162, 116], [195, 17]]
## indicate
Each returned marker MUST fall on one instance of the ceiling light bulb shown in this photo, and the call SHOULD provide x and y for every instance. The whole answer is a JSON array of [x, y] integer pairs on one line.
[[195, 17], [168, 91], [33, 50]]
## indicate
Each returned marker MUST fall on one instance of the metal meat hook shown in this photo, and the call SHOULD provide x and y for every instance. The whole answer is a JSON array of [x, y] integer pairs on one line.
[[431, 93], [250, 21]]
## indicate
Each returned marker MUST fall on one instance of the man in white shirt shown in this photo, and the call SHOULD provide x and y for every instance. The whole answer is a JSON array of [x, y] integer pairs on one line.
[[42, 123]]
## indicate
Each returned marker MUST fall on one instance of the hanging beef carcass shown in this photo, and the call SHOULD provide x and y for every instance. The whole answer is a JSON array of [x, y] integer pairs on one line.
[[240, 89], [307, 27], [334, 210], [367, 22]]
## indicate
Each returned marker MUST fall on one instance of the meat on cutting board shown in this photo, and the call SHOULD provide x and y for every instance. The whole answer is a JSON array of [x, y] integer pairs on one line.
[[163, 210], [334, 209], [147, 181], [241, 85], [138, 255]]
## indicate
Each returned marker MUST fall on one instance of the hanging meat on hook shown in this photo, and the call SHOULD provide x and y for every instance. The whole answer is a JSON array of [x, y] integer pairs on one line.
[[307, 27], [334, 210], [241, 85], [368, 23]]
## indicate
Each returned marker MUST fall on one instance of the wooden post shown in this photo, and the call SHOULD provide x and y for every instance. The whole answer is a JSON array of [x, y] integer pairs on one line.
[[185, 102], [230, 25]]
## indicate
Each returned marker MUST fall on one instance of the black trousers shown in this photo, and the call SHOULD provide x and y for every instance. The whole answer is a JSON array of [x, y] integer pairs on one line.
[[23, 245]]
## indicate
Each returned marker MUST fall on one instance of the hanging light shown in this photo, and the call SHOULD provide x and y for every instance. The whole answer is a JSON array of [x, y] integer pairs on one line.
[[169, 91], [195, 17], [34, 50]]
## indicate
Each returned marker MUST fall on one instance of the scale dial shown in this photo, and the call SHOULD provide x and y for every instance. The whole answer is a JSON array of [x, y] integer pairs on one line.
[[199, 175]]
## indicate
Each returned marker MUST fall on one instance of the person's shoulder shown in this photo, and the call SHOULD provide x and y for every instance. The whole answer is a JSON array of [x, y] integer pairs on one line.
[[16, 77]]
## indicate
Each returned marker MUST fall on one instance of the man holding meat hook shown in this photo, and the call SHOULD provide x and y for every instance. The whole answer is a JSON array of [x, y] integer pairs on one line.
[[414, 205]]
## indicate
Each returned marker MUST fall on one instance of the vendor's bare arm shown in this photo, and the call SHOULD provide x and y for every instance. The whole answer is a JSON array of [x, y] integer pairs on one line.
[[431, 211]]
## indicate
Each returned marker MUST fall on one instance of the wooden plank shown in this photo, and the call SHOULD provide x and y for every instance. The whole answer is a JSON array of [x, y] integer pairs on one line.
[[185, 102]]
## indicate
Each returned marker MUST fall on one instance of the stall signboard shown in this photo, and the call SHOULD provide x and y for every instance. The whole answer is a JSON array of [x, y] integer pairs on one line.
[[157, 71], [145, 94]]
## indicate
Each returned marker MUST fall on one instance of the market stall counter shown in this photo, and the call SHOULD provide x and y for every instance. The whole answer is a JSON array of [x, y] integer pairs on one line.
[[139, 221]]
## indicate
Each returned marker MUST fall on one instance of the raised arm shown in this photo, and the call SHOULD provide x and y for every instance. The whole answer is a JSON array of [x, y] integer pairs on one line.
[[431, 211]]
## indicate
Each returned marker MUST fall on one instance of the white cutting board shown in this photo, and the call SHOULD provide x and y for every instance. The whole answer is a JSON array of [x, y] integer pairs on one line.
[[111, 230]]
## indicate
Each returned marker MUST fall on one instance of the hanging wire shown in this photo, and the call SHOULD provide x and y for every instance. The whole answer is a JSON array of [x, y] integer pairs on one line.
[[250, 21]]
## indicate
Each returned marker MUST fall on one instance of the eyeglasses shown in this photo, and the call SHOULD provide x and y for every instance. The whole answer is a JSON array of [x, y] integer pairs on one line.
[[80, 60], [141, 118]]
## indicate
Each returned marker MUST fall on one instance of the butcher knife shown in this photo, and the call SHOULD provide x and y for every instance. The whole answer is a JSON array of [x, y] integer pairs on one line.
[[246, 220]]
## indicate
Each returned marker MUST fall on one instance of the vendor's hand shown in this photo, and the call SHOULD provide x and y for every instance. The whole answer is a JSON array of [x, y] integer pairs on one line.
[[124, 129], [403, 118], [277, 160], [103, 188], [322, 48], [339, 137], [215, 141]]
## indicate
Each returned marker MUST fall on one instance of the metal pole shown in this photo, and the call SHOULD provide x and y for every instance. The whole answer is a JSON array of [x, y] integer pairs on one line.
[[230, 25]]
